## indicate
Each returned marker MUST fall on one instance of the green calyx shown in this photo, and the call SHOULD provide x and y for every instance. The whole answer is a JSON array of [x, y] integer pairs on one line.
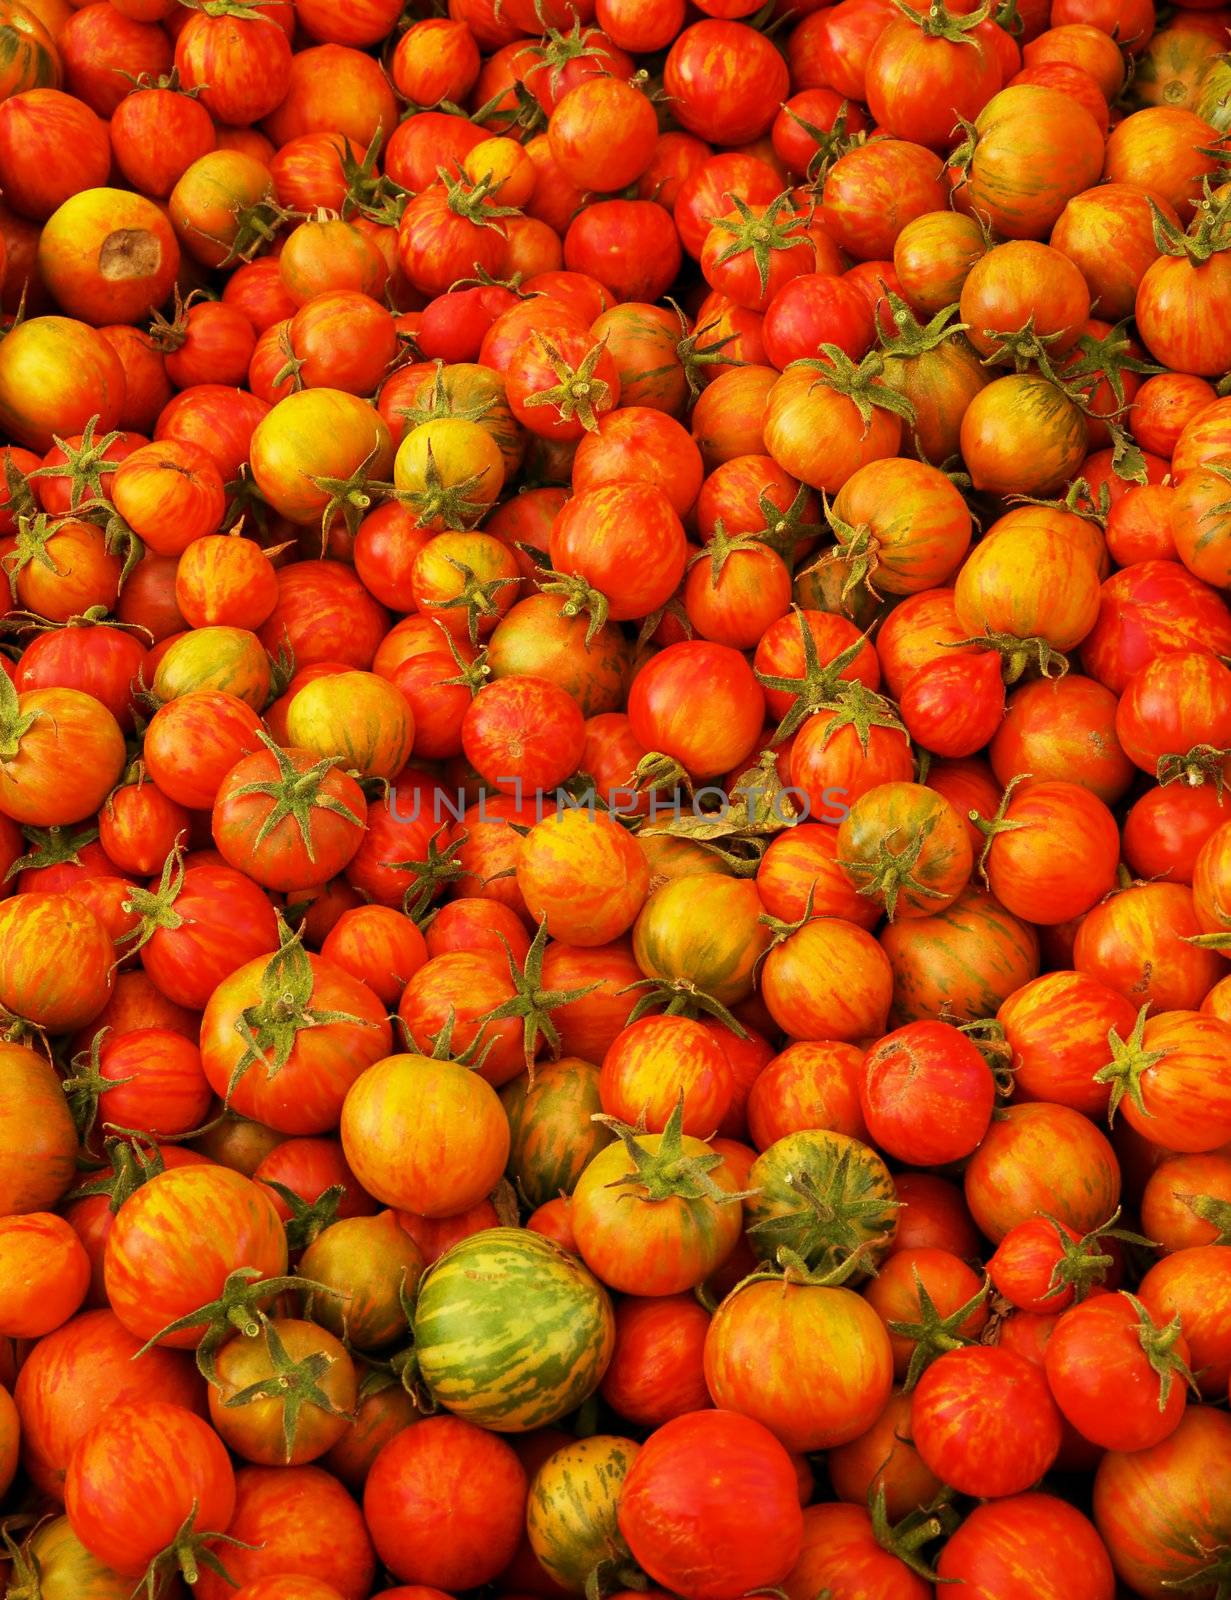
[[1207, 235], [293, 1384], [578, 394], [1083, 1264], [296, 795], [187, 1554], [720, 547], [906, 1539], [351, 498], [14, 722], [828, 1230], [912, 338], [476, 597], [269, 1029], [368, 192], [56, 846], [85, 1085], [992, 827], [938, 23], [861, 548], [133, 1159], [668, 1171], [818, 687], [776, 228], [1158, 1344], [892, 869], [784, 530], [431, 876], [308, 1219], [532, 1002], [1204, 763], [30, 548], [445, 505], [84, 463], [933, 1335], [679, 997], [580, 599], [236, 1310], [156, 907], [1018, 654], [696, 356], [473, 201], [1130, 1060], [859, 383], [1212, 1210]]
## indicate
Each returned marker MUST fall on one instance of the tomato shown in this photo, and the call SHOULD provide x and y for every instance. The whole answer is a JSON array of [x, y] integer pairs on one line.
[[1163, 1511], [673, 1509], [926, 1094], [1079, 1182], [405, 1122], [445, 1462], [296, 1427], [1027, 1545], [656, 1371], [1138, 942], [1003, 1448], [128, 1521], [217, 1221]]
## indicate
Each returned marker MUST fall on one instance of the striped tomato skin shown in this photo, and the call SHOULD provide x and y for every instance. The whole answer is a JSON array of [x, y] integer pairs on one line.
[[571, 1511], [510, 1332]]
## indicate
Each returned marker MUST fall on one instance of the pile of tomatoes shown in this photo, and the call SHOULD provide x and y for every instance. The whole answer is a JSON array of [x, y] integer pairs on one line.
[[615, 728]]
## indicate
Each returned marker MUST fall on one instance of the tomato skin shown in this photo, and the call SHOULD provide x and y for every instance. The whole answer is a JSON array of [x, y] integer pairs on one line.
[[299, 1520], [1102, 1380], [127, 1520], [918, 87], [926, 1094], [1056, 1027], [403, 1123], [809, 1331], [974, 953], [1063, 728], [445, 1462], [1001, 1449], [841, 1556], [656, 1371], [1059, 857], [828, 981], [674, 1510], [1137, 942], [175, 1240], [652, 1060], [1162, 1511], [585, 874], [1004, 1184], [872, 192], [1195, 1285], [708, 737], [1025, 1546]]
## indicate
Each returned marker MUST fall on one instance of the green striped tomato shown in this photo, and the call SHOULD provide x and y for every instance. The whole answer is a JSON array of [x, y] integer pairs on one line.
[[553, 1137], [704, 930], [510, 1332], [571, 1513]]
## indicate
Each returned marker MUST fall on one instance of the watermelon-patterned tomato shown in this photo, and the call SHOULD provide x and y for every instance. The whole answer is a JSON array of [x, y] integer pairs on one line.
[[127, 1519], [675, 1510], [656, 1213], [812, 1364], [177, 1240], [572, 1508], [510, 1332], [309, 1032], [1010, 1179], [425, 1136]]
